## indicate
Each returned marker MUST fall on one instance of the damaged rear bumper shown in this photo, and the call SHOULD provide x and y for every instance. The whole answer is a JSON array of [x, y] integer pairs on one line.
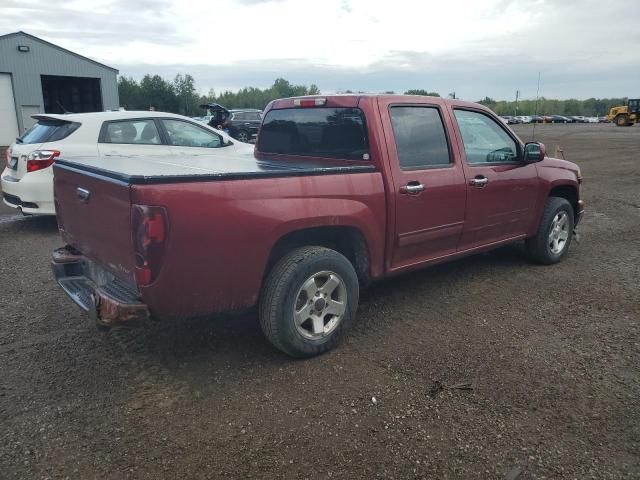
[[108, 300]]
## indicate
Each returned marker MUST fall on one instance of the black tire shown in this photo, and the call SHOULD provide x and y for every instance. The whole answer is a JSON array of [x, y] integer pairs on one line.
[[280, 296], [622, 121], [243, 136], [539, 247]]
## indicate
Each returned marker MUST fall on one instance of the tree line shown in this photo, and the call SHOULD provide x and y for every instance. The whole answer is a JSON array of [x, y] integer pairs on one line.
[[181, 96], [591, 107]]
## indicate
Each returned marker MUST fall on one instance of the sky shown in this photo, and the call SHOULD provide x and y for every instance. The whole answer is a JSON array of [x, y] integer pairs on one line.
[[476, 48]]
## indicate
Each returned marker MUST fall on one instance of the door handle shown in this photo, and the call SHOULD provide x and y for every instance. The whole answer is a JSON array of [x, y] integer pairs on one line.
[[83, 194], [479, 182], [412, 188]]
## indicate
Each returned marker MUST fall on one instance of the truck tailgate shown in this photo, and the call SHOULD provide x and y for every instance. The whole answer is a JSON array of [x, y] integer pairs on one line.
[[94, 216]]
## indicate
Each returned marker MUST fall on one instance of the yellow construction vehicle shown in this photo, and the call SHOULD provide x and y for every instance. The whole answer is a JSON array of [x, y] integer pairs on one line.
[[627, 115]]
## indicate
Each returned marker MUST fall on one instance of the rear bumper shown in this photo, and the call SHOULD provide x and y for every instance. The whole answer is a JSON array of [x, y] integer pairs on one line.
[[107, 300], [33, 193]]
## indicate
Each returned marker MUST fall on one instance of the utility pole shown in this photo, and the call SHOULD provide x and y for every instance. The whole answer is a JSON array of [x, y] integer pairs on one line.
[[517, 95]]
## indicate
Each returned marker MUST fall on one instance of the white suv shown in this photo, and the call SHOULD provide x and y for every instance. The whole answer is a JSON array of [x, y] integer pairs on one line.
[[27, 180]]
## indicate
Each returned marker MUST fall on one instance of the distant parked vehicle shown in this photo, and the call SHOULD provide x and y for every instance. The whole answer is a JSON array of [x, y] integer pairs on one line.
[[603, 120], [150, 137], [243, 125], [626, 115], [523, 118], [579, 118], [537, 119], [592, 119], [559, 119], [510, 120]]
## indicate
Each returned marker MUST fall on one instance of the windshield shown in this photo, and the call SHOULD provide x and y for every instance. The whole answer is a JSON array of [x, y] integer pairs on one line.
[[315, 132], [48, 131]]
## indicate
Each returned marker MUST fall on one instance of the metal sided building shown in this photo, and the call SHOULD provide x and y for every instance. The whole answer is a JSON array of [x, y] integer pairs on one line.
[[39, 77]]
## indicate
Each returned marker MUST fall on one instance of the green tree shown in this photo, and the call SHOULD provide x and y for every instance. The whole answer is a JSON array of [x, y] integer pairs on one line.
[[420, 91], [186, 95], [158, 93], [129, 93]]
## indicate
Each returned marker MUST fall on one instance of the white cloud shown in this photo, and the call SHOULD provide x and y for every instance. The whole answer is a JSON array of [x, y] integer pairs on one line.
[[366, 42]]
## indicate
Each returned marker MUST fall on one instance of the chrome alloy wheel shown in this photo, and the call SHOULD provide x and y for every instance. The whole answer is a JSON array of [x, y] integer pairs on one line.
[[320, 305], [559, 233]]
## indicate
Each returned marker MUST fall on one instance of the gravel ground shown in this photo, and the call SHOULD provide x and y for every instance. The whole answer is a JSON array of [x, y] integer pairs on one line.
[[488, 367]]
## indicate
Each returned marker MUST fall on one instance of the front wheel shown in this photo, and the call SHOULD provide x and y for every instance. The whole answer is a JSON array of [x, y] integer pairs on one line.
[[551, 242], [622, 120], [308, 299]]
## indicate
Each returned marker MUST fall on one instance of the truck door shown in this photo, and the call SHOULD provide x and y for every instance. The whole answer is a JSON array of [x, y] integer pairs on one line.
[[428, 181], [501, 189]]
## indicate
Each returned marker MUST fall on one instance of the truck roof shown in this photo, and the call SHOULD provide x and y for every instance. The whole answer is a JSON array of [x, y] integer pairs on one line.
[[353, 99]]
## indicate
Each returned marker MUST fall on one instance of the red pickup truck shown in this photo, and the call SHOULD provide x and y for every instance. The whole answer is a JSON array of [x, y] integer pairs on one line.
[[341, 190]]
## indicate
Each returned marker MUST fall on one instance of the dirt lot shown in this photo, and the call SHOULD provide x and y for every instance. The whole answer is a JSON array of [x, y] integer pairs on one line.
[[489, 367]]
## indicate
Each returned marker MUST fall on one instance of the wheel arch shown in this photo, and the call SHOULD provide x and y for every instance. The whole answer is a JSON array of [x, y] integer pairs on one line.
[[347, 240], [568, 192]]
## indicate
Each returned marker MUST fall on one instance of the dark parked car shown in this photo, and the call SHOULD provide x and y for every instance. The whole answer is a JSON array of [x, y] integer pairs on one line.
[[559, 119], [537, 119], [243, 125]]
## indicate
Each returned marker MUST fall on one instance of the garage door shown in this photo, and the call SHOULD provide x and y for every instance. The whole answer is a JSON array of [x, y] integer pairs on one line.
[[8, 120]]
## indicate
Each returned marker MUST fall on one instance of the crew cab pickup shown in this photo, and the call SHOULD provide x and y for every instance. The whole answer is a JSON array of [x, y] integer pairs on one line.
[[340, 191]]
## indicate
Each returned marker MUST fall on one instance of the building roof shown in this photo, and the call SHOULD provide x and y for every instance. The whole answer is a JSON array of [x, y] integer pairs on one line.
[[33, 37]]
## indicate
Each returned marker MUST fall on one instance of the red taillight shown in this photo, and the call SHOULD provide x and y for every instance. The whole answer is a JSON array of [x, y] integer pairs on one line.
[[39, 159], [310, 102], [150, 228]]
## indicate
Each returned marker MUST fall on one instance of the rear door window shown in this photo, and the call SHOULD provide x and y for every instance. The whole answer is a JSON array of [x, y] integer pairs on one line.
[[315, 132], [420, 138], [48, 131], [136, 132]]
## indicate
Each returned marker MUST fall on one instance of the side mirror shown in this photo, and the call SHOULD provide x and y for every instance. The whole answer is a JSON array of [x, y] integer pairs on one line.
[[534, 152]]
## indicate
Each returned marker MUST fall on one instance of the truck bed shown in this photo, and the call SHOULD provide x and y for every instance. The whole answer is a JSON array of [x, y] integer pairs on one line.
[[149, 170], [216, 211]]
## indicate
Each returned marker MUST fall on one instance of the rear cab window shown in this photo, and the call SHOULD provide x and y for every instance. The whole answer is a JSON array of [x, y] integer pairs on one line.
[[321, 132], [48, 131]]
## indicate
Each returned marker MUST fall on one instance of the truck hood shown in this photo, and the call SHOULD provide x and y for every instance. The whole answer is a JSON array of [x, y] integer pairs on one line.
[[559, 163]]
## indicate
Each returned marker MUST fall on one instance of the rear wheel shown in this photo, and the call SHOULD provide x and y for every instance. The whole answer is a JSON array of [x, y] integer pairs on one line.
[[308, 299], [622, 120], [551, 242], [242, 136]]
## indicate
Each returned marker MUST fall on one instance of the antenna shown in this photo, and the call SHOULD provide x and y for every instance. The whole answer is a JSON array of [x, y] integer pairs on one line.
[[533, 134]]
